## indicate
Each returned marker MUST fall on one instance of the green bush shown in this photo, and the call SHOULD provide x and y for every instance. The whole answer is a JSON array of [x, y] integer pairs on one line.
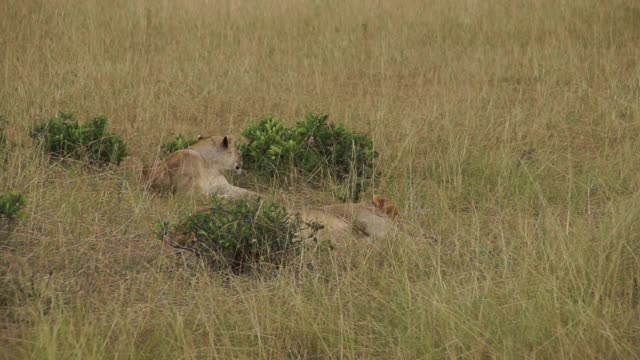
[[179, 143], [62, 137], [317, 150], [11, 205], [240, 234]]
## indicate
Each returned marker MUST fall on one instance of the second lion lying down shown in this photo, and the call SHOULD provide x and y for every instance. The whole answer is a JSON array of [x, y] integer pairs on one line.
[[379, 219], [200, 169]]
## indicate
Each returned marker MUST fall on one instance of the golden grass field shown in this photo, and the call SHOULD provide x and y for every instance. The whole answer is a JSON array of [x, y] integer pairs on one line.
[[508, 130]]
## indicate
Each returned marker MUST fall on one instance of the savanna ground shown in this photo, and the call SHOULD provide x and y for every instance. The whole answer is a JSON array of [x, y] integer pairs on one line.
[[509, 130]]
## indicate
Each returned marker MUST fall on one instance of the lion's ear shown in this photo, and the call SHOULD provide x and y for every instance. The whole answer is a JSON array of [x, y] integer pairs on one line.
[[225, 142]]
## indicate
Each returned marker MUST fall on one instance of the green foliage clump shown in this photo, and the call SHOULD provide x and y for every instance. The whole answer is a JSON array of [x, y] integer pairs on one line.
[[11, 205], [240, 234], [179, 143], [313, 148], [62, 137]]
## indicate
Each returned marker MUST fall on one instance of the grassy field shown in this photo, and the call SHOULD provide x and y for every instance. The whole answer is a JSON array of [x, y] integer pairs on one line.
[[508, 130]]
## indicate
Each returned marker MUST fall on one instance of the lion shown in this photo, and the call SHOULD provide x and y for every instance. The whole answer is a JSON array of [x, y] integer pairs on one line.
[[340, 222], [199, 169], [378, 219]]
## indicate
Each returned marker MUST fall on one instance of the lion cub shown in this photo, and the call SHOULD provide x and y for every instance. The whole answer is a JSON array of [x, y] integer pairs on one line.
[[199, 169]]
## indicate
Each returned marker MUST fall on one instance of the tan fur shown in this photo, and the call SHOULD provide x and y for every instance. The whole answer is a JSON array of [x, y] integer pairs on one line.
[[380, 219], [199, 169], [385, 205], [370, 221]]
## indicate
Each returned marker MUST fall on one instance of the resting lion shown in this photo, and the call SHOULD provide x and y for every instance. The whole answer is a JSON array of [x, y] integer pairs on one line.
[[199, 169], [340, 222], [379, 219]]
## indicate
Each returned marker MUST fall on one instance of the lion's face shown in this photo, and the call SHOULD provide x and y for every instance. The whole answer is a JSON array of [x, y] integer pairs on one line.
[[235, 160], [220, 150]]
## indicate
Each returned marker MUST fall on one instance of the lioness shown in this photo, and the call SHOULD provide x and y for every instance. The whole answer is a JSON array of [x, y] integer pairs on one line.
[[379, 219], [341, 221], [199, 169]]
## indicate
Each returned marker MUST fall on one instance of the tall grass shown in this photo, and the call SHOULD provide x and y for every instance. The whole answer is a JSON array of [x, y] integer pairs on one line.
[[509, 130]]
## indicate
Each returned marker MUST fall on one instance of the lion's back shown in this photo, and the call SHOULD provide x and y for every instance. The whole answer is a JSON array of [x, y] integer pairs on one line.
[[181, 169]]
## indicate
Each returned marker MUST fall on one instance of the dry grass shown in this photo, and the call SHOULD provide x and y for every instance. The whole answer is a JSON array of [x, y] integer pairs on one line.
[[509, 130]]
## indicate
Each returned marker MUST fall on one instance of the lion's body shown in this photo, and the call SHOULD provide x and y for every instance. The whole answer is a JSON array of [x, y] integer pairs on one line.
[[340, 221], [359, 219], [199, 169]]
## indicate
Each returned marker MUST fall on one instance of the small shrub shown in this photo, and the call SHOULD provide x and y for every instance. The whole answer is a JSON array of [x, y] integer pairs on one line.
[[179, 143], [240, 234], [11, 205], [314, 148], [62, 137], [102, 146]]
